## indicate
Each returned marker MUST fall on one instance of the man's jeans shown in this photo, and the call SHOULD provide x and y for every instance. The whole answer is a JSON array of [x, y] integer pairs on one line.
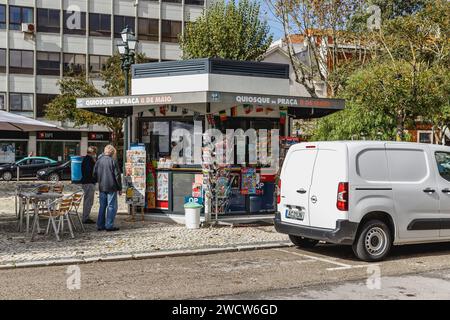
[[88, 200], [108, 202]]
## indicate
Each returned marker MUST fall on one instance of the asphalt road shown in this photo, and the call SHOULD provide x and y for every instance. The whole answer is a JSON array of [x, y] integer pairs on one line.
[[326, 272]]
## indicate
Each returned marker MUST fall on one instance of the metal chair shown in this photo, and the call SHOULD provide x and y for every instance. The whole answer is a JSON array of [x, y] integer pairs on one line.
[[77, 198], [58, 209]]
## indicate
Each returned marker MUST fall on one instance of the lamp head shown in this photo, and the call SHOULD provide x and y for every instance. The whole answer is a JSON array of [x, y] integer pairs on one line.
[[122, 47]]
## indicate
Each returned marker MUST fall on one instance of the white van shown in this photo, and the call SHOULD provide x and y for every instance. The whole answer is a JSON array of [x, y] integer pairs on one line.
[[367, 194]]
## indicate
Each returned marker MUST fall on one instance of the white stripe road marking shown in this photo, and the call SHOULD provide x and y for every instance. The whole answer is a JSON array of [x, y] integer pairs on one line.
[[304, 261], [341, 266]]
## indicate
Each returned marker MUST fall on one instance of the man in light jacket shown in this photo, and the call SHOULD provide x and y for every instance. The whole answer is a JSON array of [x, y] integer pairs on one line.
[[88, 183], [107, 174]]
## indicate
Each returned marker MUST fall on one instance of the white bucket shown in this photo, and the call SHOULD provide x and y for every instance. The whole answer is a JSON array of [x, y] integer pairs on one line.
[[192, 218]]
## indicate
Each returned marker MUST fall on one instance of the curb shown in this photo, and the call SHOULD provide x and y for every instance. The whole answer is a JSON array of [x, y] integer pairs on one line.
[[144, 256]]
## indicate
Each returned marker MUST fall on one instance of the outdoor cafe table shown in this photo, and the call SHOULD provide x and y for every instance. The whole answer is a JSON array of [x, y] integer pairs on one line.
[[21, 189], [34, 198]]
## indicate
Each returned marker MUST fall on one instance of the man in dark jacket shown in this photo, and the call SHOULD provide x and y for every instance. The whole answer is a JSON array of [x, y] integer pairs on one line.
[[107, 174], [88, 183]]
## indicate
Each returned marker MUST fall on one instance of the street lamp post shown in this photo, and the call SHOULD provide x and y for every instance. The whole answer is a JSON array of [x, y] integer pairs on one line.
[[127, 51]]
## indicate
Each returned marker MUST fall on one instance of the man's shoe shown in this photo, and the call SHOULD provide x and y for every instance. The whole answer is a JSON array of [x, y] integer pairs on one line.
[[112, 229], [101, 229], [89, 221]]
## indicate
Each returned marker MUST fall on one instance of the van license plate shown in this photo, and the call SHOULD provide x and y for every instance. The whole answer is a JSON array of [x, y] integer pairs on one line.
[[295, 214]]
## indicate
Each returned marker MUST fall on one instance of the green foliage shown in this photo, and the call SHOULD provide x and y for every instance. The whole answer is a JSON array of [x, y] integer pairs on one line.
[[407, 80], [113, 76], [63, 107], [383, 100], [229, 31]]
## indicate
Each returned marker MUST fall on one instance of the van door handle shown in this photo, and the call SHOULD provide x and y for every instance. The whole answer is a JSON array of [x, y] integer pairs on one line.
[[302, 191], [429, 190], [446, 190]]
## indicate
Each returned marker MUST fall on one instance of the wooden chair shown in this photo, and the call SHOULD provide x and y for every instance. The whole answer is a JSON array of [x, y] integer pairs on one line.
[[57, 211], [76, 203], [58, 188]]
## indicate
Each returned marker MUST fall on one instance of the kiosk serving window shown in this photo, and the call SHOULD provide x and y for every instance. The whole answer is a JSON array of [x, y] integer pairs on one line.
[[160, 137]]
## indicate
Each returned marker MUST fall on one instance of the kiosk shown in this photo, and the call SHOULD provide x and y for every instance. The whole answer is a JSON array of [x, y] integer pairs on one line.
[[174, 103]]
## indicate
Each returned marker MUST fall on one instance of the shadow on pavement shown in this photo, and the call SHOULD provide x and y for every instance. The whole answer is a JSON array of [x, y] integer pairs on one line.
[[397, 252]]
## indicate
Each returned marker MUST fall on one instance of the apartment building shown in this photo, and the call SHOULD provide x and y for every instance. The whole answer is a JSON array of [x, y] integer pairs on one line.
[[42, 41]]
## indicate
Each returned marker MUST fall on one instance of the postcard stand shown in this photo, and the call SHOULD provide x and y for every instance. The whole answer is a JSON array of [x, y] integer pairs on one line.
[[135, 179]]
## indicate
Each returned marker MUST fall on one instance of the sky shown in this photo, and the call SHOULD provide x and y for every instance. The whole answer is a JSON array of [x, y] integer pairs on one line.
[[275, 25]]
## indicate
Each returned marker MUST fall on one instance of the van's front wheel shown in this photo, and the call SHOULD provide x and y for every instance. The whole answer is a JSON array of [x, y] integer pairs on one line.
[[303, 242], [373, 242]]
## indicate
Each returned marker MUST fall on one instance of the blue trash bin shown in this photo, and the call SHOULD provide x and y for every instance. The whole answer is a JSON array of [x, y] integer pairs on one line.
[[76, 169]]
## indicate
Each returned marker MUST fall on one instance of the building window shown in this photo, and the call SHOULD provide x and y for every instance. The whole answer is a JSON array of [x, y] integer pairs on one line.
[[425, 136], [74, 64], [2, 60], [2, 101], [97, 64], [120, 22], [19, 15], [195, 2], [48, 20], [21, 61], [170, 30], [99, 25], [41, 103], [172, 1], [48, 63], [148, 29], [2, 16], [21, 102], [74, 22]]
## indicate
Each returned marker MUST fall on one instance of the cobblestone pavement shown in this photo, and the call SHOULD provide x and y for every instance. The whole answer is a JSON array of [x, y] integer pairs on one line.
[[133, 237]]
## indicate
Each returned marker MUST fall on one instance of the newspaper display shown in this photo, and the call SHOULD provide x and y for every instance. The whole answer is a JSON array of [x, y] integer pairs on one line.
[[135, 177]]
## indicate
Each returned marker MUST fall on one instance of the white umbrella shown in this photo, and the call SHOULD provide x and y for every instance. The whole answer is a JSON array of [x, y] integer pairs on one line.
[[15, 122]]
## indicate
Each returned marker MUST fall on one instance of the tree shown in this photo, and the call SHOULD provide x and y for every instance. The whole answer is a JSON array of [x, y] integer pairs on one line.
[[313, 33], [384, 100], [227, 30], [63, 107], [408, 80]]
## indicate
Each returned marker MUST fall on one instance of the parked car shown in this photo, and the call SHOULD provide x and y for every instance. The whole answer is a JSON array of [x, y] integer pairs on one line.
[[55, 174], [28, 167], [370, 195]]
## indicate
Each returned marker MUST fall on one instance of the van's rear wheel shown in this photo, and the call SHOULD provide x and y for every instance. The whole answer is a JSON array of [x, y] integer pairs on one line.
[[303, 242], [373, 242]]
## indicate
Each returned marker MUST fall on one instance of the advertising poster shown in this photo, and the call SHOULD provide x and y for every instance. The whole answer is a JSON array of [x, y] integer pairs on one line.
[[163, 186], [249, 181], [151, 187]]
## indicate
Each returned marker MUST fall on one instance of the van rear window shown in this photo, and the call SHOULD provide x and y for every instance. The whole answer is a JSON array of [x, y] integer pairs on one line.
[[407, 165], [371, 165]]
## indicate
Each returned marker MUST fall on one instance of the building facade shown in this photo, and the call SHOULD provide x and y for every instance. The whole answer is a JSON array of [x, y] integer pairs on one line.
[[42, 41]]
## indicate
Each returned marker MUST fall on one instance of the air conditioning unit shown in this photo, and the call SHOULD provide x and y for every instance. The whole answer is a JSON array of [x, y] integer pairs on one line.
[[28, 27]]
